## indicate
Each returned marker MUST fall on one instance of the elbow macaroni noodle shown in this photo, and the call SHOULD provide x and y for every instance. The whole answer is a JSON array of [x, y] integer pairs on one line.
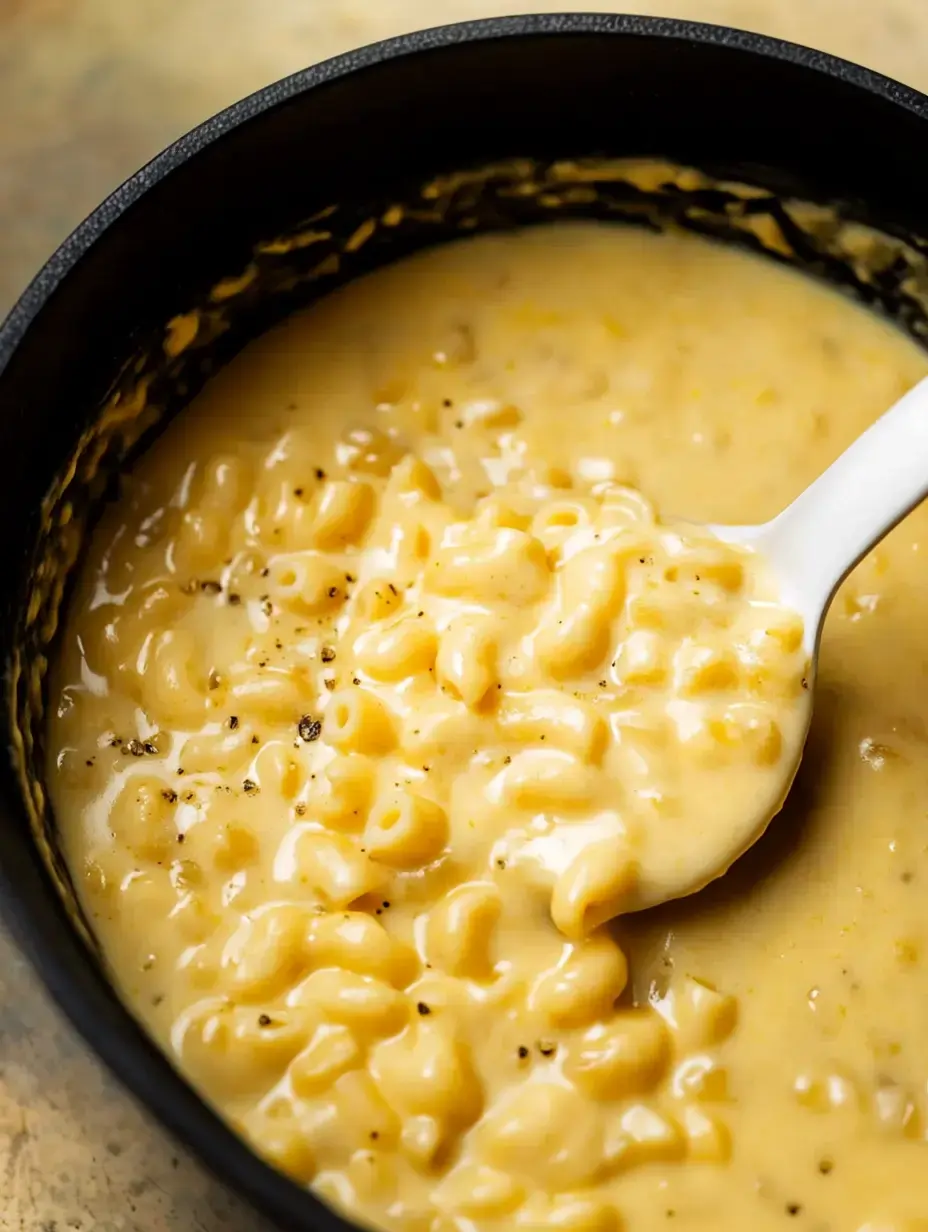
[[369, 724]]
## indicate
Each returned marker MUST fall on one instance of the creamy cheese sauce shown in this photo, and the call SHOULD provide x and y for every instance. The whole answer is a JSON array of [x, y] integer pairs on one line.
[[392, 677]]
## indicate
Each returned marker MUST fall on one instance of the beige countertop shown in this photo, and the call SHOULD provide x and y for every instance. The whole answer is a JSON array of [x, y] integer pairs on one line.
[[90, 89]]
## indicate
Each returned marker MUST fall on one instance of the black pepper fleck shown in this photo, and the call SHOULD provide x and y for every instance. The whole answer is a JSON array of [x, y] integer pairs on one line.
[[264, 1020], [327, 654], [233, 721], [310, 729], [235, 599], [250, 786], [523, 1052], [423, 1009]]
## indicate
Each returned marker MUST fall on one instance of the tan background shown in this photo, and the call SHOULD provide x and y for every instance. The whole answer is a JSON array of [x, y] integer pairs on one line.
[[90, 89]]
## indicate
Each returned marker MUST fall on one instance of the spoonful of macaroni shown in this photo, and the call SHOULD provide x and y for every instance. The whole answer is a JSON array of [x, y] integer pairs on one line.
[[711, 637], [740, 688]]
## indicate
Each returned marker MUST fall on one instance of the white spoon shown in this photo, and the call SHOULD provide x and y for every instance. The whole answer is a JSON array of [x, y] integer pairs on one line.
[[808, 550], [812, 546]]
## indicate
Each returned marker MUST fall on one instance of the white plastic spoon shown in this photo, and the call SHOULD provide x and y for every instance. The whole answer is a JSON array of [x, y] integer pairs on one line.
[[817, 540], [804, 554], [808, 550]]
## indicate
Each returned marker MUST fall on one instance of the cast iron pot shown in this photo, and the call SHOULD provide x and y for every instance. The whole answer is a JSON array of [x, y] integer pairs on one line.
[[364, 150]]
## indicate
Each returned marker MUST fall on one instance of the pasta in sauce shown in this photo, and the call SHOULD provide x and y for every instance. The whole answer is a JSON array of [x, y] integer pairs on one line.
[[391, 680]]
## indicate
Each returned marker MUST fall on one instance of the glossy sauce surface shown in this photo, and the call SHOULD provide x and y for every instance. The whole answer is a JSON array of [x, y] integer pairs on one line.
[[385, 688]]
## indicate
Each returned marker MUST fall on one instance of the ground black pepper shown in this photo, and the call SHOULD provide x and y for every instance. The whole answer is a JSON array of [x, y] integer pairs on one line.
[[310, 729]]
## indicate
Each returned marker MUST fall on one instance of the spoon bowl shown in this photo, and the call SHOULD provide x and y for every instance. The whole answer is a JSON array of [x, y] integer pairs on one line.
[[810, 548]]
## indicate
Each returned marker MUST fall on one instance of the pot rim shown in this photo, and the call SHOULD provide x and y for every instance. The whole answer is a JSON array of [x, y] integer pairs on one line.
[[143, 1069], [433, 38]]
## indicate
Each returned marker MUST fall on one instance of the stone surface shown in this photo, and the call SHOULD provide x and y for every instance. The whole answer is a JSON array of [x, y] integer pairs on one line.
[[90, 89]]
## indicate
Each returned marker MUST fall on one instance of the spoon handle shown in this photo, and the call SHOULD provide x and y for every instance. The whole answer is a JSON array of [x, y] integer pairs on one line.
[[816, 541]]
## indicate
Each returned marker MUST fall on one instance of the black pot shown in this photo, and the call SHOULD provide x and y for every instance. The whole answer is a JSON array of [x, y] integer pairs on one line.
[[364, 132]]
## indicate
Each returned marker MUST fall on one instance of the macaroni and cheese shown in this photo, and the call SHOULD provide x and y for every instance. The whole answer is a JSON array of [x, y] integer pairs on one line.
[[393, 678]]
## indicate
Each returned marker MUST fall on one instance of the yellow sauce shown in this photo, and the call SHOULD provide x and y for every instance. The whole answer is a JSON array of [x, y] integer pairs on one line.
[[385, 688]]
